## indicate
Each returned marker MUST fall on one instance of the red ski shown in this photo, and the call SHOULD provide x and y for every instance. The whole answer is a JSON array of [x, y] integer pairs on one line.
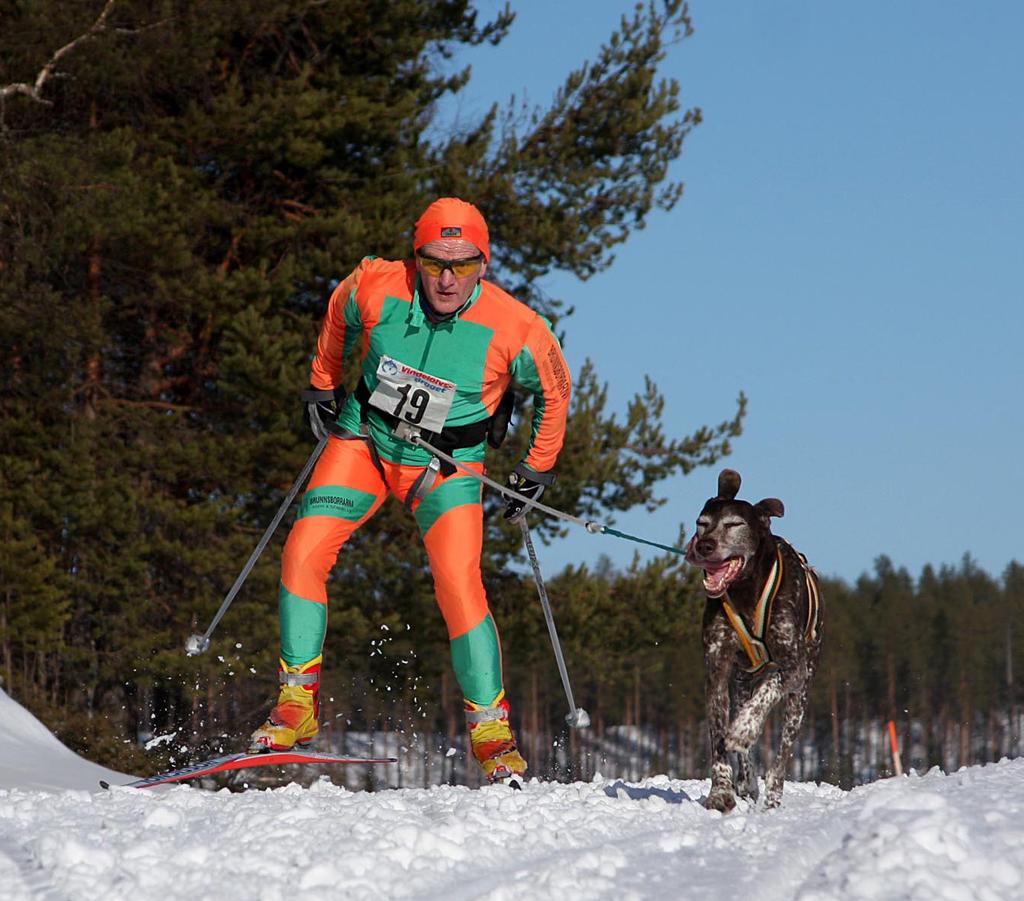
[[241, 762]]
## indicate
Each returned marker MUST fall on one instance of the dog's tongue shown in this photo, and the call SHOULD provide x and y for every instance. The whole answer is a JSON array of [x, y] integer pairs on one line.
[[718, 576]]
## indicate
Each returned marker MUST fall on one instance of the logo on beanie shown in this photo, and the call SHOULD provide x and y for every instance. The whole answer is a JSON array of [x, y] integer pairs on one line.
[[452, 231]]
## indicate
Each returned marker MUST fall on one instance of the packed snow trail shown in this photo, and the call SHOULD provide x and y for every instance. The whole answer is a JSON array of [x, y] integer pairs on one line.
[[958, 837], [936, 836]]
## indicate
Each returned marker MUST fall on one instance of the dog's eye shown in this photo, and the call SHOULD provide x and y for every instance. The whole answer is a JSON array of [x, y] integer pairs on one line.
[[733, 523]]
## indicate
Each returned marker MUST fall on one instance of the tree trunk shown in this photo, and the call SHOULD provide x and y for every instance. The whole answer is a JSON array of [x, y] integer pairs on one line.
[[833, 696], [965, 725], [534, 717], [8, 664], [890, 671], [93, 369]]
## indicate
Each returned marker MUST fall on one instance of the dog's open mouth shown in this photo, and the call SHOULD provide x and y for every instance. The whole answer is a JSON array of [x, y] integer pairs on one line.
[[718, 576]]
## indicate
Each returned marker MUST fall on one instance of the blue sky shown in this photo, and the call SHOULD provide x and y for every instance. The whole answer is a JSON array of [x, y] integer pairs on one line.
[[849, 252]]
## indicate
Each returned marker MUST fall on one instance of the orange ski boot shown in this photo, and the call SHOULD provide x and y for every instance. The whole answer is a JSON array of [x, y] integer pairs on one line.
[[294, 721], [493, 742]]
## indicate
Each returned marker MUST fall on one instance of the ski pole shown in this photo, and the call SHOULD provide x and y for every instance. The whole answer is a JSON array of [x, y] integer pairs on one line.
[[577, 717], [197, 644]]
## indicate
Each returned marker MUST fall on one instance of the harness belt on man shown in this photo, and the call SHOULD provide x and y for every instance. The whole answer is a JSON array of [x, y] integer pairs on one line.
[[447, 440]]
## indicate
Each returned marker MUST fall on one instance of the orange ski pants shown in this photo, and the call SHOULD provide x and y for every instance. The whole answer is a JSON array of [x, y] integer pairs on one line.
[[344, 491]]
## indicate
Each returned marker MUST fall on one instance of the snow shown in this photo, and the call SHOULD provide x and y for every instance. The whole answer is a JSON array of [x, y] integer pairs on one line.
[[31, 756], [929, 836]]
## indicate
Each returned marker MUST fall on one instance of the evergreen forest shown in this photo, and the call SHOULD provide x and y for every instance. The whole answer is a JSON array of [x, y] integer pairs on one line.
[[182, 183]]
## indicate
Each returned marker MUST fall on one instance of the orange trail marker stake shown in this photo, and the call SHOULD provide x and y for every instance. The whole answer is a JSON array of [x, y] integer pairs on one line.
[[897, 764]]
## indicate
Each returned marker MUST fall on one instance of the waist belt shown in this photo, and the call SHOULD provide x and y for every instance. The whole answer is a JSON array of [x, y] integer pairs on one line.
[[450, 438]]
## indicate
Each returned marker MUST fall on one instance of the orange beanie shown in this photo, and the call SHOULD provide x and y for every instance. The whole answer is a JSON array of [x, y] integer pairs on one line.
[[449, 217]]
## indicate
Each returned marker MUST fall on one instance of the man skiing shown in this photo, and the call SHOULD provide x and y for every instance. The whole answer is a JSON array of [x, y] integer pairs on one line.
[[440, 346]]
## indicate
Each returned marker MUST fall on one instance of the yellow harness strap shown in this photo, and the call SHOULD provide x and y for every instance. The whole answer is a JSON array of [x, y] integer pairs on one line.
[[753, 641], [813, 598]]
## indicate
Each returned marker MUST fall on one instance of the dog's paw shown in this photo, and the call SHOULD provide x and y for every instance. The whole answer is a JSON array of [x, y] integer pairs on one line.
[[722, 801]]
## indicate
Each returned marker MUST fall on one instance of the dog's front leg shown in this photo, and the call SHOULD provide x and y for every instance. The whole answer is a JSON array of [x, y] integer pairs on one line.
[[749, 721], [722, 795], [718, 663], [796, 703], [746, 777]]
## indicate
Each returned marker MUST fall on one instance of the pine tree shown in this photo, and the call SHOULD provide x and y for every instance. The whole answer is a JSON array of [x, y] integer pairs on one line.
[[182, 184]]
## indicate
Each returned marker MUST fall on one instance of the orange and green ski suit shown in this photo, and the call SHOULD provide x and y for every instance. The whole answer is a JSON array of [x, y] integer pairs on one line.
[[376, 313]]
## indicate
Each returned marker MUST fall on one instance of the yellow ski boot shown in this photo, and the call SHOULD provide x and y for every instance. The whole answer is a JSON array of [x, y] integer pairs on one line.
[[493, 742], [294, 721]]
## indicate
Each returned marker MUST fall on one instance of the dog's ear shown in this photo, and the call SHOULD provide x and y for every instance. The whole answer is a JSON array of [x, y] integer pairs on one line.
[[728, 484], [770, 506]]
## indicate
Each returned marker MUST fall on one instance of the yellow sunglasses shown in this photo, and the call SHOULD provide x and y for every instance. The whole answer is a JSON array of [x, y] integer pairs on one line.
[[459, 268]]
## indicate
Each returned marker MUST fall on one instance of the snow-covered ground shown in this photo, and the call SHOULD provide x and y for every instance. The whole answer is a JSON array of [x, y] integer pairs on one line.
[[934, 836]]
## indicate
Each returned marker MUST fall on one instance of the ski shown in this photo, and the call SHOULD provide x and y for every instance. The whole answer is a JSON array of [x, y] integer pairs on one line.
[[515, 782], [242, 761], [502, 775]]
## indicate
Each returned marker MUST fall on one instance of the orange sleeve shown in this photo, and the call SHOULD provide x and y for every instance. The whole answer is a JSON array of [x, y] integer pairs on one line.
[[340, 330], [551, 384]]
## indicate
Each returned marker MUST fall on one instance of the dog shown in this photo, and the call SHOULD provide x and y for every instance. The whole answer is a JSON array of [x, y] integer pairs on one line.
[[762, 635]]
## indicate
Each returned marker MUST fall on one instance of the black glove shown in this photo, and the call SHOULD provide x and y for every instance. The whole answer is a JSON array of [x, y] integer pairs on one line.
[[322, 408], [529, 484]]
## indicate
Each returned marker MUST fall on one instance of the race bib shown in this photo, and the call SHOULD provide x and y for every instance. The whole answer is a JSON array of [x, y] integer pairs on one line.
[[415, 397]]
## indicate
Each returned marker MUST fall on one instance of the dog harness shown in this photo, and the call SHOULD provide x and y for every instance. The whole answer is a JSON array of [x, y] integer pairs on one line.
[[753, 640]]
